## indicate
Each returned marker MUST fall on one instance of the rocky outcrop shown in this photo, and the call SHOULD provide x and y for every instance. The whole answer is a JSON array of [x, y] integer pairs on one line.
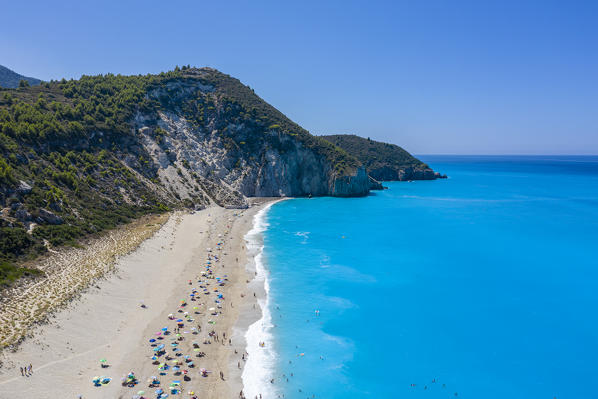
[[23, 188], [405, 174], [375, 184], [384, 161], [416, 174], [356, 185], [49, 217]]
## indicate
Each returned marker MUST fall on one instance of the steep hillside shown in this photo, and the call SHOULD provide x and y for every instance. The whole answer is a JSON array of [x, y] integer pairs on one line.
[[81, 156], [10, 79], [384, 161]]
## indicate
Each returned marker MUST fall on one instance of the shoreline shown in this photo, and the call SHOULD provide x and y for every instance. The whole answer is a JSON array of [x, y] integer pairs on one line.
[[257, 321], [107, 321]]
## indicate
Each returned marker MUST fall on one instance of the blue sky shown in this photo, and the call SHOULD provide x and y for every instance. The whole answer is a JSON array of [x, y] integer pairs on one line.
[[460, 77]]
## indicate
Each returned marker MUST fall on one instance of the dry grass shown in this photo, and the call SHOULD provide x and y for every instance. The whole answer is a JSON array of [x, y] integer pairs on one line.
[[66, 273]]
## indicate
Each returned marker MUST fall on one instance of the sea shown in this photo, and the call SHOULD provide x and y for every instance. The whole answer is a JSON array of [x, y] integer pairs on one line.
[[480, 286]]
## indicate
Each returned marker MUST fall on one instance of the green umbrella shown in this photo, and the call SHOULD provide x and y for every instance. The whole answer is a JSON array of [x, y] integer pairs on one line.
[[140, 392], [103, 360]]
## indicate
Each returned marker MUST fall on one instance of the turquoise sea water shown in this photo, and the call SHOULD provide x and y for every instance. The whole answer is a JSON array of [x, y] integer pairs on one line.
[[486, 283]]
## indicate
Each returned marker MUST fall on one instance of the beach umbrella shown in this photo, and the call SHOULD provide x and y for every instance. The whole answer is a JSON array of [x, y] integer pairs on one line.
[[140, 392], [152, 340], [164, 328], [102, 360], [179, 320]]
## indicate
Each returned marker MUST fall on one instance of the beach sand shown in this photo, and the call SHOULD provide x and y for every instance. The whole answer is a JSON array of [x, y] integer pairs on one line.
[[107, 321]]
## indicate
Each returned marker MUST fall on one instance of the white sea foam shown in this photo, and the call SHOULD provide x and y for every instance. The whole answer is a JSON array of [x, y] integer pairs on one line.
[[261, 361]]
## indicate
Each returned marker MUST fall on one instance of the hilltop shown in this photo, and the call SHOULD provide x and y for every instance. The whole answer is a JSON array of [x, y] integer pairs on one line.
[[383, 161], [10, 79], [78, 157]]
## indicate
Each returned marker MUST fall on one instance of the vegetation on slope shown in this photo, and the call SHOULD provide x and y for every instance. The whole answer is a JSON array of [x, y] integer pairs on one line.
[[383, 161]]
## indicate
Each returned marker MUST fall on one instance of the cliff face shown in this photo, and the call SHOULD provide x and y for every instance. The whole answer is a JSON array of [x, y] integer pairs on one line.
[[388, 173], [240, 157]]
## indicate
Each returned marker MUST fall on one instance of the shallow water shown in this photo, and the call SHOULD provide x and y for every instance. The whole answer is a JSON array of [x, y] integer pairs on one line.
[[486, 283]]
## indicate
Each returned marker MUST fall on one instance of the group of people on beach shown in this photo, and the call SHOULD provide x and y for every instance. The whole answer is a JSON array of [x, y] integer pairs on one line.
[[27, 370], [203, 297], [169, 352]]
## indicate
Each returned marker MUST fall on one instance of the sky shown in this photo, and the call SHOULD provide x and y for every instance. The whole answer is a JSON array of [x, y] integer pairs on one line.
[[436, 77]]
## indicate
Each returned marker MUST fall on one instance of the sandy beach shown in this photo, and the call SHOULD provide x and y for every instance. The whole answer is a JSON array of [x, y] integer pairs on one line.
[[107, 321]]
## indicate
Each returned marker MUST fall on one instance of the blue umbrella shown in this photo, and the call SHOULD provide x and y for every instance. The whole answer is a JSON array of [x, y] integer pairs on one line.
[[152, 340]]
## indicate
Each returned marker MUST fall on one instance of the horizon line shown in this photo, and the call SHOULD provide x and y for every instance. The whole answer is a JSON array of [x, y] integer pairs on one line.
[[511, 155]]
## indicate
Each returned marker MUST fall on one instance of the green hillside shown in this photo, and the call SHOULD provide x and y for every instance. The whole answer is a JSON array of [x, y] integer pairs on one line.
[[383, 161]]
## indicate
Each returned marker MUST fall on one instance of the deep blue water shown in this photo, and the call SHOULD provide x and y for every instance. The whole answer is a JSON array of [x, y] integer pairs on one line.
[[486, 282]]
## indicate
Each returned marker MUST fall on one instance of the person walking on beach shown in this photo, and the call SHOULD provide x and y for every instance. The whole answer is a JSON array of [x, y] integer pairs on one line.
[[22, 373], [30, 369]]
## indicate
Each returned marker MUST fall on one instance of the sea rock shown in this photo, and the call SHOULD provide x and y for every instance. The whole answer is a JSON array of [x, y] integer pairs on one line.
[[416, 174], [375, 184], [50, 217]]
